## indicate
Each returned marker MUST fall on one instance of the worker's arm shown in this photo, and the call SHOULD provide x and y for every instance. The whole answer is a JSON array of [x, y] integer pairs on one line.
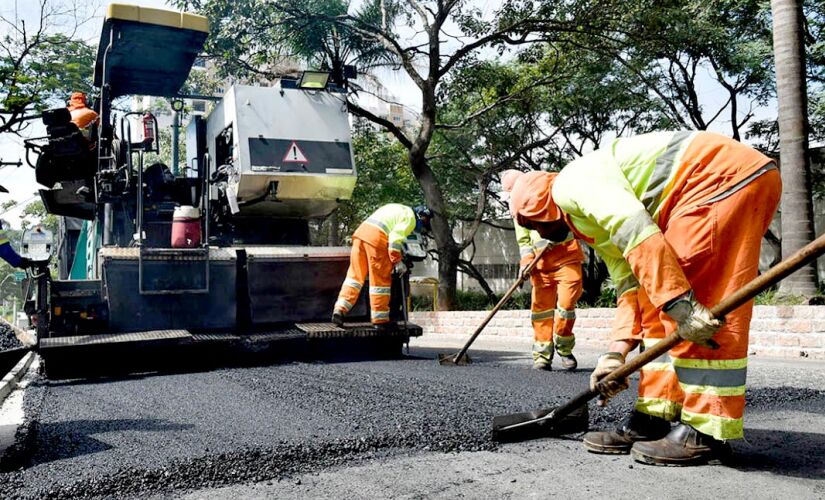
[[8, 254], [525, 244], [608, 201], [627, 323], [402, 227]]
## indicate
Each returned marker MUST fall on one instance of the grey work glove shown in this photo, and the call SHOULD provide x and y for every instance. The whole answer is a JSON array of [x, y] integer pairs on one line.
[[695, 321], [608, 362], [400, 268]]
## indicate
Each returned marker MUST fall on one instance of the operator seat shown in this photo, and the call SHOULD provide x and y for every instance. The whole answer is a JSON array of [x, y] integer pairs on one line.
[[68, 155]]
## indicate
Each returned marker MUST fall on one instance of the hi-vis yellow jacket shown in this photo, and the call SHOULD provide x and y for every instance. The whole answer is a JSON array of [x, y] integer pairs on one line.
[[618, 198], [388, 226]]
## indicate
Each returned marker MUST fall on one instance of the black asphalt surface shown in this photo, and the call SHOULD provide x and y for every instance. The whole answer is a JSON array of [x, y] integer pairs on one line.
[[161, 434]]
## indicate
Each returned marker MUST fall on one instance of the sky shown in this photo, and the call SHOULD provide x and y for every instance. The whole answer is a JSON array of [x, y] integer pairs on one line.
[[20, 180]]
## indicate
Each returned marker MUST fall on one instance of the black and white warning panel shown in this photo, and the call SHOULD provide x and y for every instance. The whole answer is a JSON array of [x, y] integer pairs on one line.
[[285, 155]]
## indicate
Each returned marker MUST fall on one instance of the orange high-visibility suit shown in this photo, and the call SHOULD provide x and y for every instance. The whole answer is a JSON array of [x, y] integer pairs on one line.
[[557, 287], [669, 212], [82, 116], [376, 247]]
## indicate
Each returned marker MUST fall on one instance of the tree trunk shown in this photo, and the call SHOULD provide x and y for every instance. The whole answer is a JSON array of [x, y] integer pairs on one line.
[[447, 277], [791, 89], [448, 251], [467, 267]]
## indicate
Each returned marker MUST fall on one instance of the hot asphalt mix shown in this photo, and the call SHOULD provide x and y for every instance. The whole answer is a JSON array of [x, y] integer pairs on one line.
[[166, 434]]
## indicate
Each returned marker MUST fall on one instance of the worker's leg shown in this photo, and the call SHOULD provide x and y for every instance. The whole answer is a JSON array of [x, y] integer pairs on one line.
[[660, 397], [542, 313], [659, 392], [718, 245], [380, 270], [356, 275], [714, 380], [569, 285]]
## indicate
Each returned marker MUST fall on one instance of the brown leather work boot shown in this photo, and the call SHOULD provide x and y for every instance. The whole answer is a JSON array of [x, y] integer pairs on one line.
[[635, 427], [684, 445]]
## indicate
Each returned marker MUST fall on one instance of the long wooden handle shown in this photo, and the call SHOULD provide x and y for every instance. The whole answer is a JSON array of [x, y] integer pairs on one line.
[[774, 275], [521, 279]]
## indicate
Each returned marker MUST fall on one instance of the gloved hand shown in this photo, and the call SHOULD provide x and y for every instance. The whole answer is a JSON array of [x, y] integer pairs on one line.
[[522, 271], [400, 268], [695, 321], [25, 263], [608, 362]]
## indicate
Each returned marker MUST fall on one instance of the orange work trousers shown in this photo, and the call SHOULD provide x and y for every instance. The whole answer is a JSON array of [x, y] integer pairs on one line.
[[367, 260], [717, 242], [553, 309]]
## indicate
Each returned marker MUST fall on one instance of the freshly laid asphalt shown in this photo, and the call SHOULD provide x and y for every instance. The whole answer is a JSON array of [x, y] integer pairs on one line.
[[405, 428]]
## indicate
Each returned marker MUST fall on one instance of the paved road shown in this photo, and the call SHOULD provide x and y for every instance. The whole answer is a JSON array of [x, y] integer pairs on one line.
[[406, 428]]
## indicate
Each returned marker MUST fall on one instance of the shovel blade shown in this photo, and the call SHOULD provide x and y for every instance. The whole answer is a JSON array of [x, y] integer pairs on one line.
[[577, 421], [450, 359]]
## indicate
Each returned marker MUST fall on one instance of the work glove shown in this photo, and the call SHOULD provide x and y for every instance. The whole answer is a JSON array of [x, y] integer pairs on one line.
[[522, 270], [400, 268], [25, 263], [607, 363], [695, 321]]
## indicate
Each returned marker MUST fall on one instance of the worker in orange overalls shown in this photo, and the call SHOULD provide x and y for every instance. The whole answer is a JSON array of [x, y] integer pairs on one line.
[[376, 251], [678, 217], [557, 286], [82, 116]]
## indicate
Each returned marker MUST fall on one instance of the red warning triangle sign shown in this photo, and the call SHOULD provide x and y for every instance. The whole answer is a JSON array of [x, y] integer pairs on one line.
[[294, 154]]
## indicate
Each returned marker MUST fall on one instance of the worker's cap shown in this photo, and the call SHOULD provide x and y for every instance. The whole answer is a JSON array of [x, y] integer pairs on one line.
[[532, 197], [423, 216], [508, 179]]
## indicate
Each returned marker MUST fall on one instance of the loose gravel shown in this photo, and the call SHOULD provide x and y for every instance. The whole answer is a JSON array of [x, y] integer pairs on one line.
[[7, 338]]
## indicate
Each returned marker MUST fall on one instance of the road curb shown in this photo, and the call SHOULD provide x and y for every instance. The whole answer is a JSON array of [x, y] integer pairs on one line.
[[10, 381]]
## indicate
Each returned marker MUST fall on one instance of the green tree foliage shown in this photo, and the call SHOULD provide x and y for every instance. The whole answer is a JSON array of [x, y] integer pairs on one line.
[[677, 51], [35, 213], [41, 64]]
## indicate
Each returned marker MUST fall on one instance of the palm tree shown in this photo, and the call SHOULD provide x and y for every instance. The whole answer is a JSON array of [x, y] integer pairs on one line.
[[791, 89]]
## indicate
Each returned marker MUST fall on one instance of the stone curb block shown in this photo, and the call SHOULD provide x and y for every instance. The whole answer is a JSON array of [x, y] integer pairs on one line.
[[10, 381], [783, 331]]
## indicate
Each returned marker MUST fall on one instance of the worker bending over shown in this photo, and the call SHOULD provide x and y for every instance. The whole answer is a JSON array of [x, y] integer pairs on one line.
[[376, 251], [557, 286], [678, 217]]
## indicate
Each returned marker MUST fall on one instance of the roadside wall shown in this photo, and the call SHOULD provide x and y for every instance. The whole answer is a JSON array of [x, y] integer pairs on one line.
[[781, 331]]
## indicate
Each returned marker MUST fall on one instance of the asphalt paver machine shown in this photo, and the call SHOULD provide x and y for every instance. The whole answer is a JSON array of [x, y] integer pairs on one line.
[[217, 252]]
